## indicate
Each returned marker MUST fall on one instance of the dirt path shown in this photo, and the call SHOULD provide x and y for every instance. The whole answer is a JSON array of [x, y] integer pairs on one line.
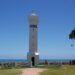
[[32, 71]]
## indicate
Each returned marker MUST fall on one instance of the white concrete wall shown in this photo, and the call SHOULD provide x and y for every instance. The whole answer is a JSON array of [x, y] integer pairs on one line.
[[33, 20], [30, 55], [33, 39]]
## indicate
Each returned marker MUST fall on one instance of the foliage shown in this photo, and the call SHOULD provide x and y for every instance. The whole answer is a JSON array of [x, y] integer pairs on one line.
[[72, 34]]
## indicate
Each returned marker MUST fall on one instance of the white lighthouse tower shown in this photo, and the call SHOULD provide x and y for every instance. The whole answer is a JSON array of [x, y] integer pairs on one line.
[[33, 55]]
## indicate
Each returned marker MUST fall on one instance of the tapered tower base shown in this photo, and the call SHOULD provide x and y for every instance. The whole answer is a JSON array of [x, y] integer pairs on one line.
[[33, 59]]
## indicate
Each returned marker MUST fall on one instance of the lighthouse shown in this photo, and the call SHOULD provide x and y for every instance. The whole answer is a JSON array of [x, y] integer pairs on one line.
[[33, 55]]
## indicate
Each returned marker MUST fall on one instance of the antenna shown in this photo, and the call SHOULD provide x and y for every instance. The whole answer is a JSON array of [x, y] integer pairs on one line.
[[33, 13]]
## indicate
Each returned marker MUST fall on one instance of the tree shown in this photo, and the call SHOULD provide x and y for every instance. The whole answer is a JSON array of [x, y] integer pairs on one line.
[[72, 34]]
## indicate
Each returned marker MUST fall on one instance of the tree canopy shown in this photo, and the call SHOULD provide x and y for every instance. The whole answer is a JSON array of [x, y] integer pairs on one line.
[[72, 34]]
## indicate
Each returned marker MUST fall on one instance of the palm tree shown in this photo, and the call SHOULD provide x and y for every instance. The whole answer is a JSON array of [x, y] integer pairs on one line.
[[72, 37], [72, 34]]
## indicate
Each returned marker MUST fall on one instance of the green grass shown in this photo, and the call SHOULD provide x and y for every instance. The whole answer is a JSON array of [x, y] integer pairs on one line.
[[64, 70], [10, 72]]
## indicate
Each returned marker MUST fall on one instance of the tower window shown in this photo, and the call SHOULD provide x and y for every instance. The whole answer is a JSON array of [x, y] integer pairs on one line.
[[35, 26]]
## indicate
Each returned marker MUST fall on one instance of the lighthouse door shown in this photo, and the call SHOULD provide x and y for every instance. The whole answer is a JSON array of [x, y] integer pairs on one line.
[[33, 61]]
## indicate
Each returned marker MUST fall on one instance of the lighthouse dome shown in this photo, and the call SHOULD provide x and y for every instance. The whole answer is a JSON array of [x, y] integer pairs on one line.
[[33, 13]]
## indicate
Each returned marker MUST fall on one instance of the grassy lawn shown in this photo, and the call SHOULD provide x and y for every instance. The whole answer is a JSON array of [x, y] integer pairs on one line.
[[64, 70], [10, 72]]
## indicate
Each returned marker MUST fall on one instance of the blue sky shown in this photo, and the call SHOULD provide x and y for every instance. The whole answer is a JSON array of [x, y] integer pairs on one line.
[[56, 20]]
